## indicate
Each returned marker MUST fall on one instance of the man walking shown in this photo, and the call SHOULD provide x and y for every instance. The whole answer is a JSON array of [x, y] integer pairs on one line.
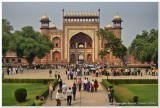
[[58, 99], [79, 84], [111, 94], [74, 88], [64, 90], [69, 96]]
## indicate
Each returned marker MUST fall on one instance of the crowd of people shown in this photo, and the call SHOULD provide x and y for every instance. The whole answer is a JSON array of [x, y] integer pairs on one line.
[[14, 70], [69, 93], [133, 72], [99, 70], [73, 71]]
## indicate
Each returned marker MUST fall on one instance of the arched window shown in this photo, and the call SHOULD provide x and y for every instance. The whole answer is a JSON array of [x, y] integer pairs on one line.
[[56, 45], [7, 61], [13, 60], [19, 60], [57, 42], [56, 56]]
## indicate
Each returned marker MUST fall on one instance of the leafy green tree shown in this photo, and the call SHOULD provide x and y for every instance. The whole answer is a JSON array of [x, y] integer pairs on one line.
[[29, 44], [112, 45], [145, 47], [6, 36]]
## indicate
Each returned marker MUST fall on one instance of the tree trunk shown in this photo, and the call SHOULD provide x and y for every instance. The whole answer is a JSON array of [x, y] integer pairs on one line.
[[30, 59], [123, 61]]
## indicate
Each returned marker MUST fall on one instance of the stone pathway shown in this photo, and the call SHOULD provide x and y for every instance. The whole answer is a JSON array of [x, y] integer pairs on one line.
[[83, 98]]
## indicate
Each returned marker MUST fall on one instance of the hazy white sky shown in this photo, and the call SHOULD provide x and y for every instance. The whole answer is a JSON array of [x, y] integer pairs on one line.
[[136, 16]]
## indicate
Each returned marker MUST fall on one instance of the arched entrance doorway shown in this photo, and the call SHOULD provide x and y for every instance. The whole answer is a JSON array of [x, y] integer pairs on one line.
[[81, 58], [89, 58], [80, 44], [73, 58]]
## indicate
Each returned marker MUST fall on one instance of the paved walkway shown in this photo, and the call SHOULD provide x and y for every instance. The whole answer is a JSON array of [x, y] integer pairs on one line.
[[83, 98]]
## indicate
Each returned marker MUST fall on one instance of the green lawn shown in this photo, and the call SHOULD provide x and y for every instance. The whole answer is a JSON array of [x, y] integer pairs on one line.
[[8, 89], [147, 93]]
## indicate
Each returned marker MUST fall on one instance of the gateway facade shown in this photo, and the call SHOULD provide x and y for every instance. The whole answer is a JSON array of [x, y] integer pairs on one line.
[[78, 40]]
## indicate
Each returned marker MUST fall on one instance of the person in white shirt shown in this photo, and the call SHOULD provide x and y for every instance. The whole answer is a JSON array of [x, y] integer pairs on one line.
[[69, 96], [14, 70], [35, 68], [10, 72], [84, 83], [64, 90], [68, 74], [58, 99], [126, 71]]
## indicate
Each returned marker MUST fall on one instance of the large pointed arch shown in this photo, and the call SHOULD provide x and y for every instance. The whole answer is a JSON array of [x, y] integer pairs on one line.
[[81, 39]]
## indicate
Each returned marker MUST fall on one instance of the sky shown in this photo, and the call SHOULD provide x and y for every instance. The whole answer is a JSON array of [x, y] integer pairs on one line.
[[136, 16]]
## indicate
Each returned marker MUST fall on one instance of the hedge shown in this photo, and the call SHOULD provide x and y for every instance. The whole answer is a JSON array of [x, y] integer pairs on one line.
[[133, 81], [45, 81], [111, 82], [106, 83]]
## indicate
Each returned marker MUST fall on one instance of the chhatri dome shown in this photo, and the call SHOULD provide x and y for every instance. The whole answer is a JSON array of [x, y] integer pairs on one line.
[[117, 17], [109, 26], [45, 17], [53, 26]]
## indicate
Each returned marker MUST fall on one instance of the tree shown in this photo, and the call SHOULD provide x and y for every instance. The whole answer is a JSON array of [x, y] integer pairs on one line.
[[112, 45], [145, 47], [6, 36], [29, 44]]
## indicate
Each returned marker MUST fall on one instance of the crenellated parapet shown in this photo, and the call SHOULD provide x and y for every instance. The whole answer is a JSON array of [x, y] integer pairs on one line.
[[81, 16]]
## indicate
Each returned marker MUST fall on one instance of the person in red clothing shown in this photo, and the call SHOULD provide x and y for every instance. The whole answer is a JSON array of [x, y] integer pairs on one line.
[[79, 84], [96, 84]]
